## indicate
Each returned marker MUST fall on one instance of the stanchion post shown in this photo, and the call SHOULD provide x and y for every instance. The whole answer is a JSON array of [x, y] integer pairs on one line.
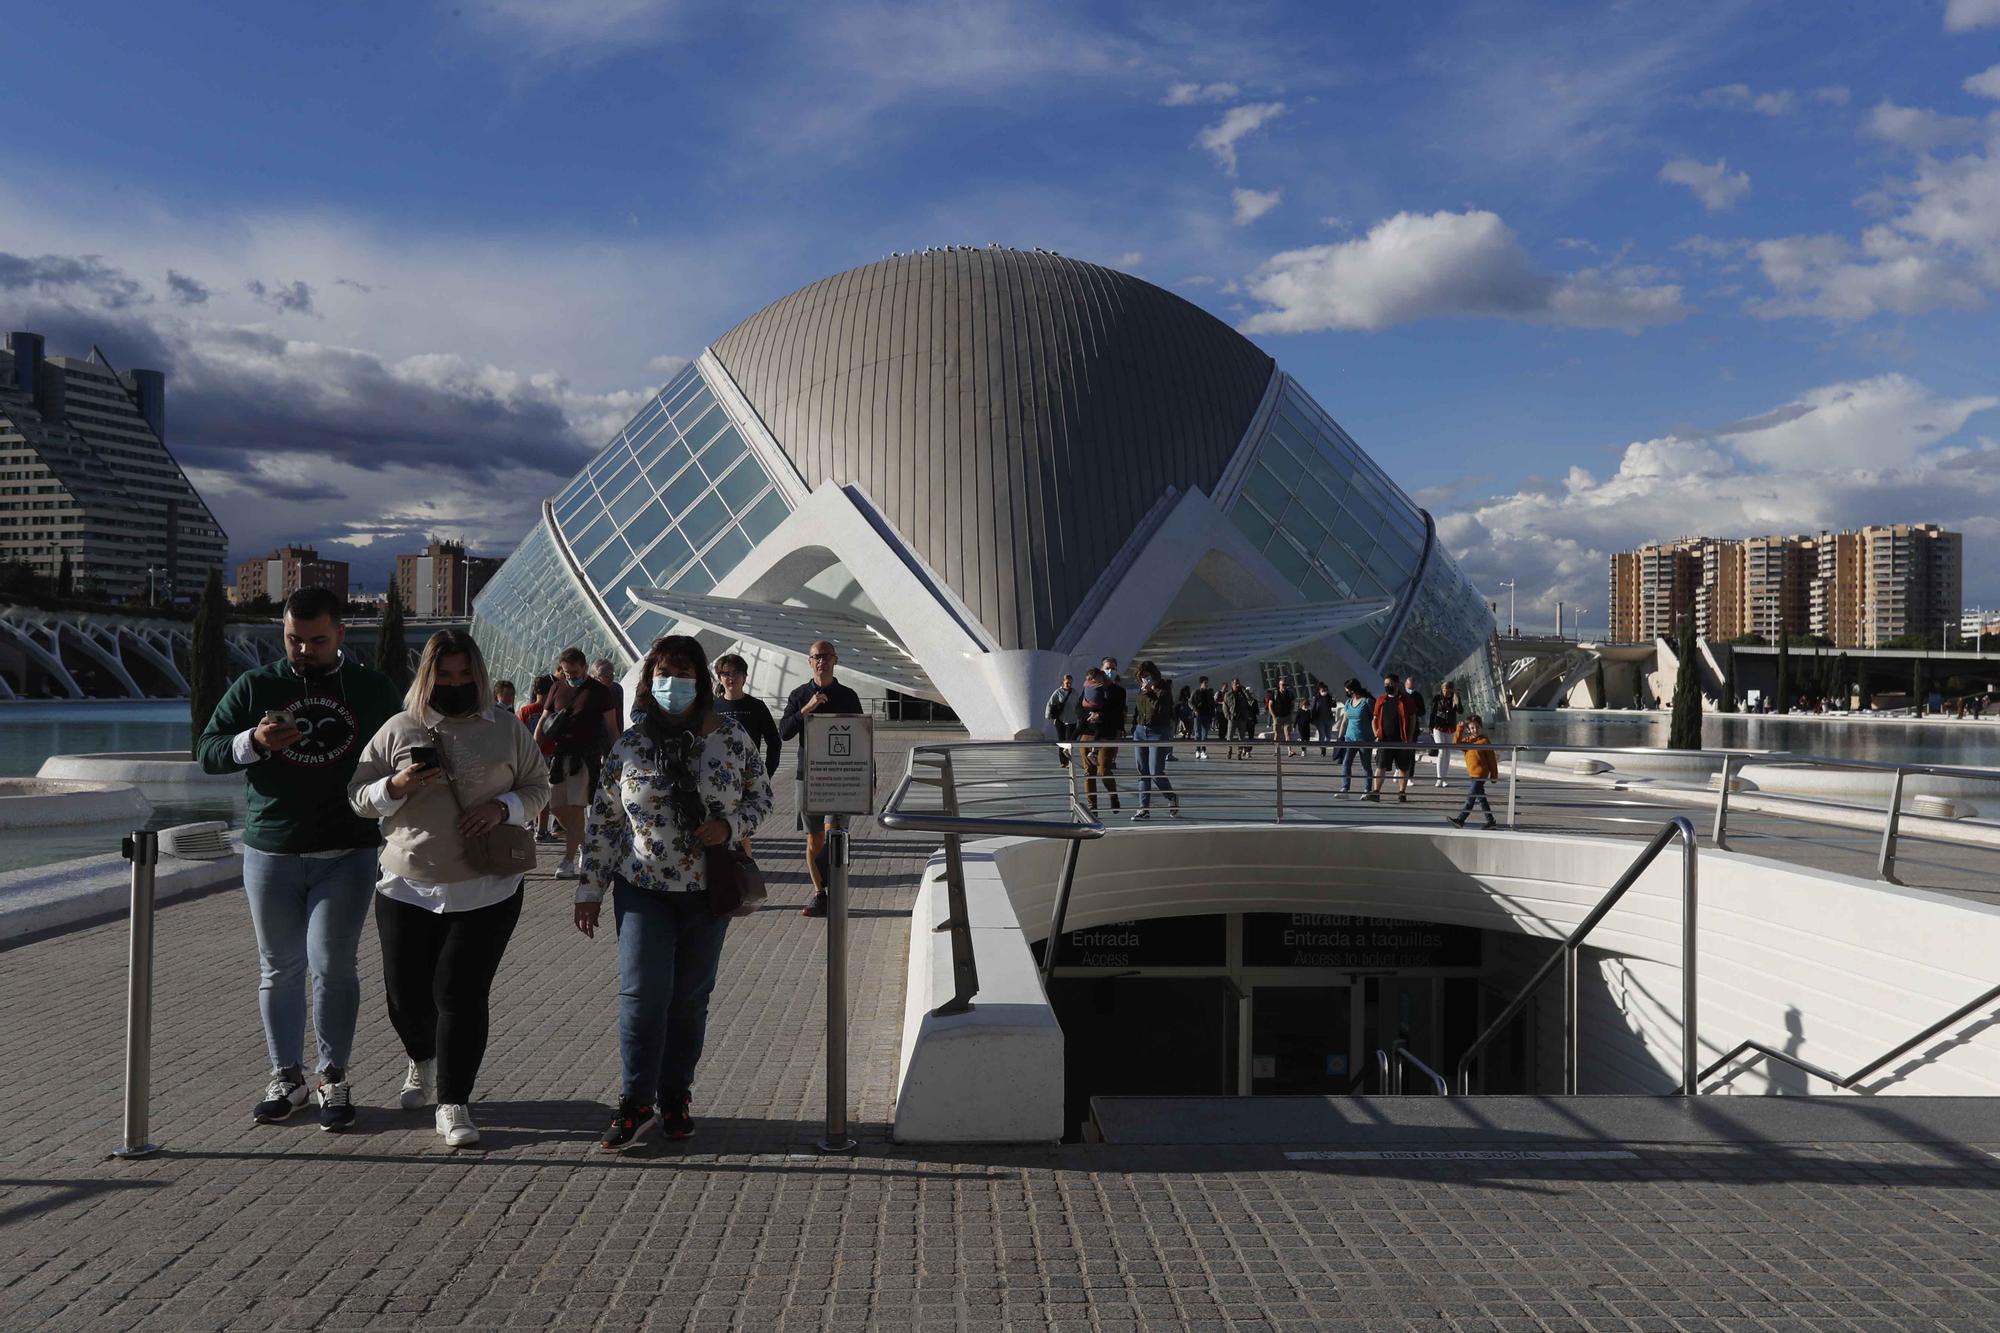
[[1721, 836], [1513, 783], [142, 849], [1885, 862], [836, 1140]]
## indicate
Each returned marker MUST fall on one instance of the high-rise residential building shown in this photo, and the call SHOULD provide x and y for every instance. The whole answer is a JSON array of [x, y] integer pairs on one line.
[[276, 576], [85, 473], [1860, 589], [1914, 573], [441, 580]]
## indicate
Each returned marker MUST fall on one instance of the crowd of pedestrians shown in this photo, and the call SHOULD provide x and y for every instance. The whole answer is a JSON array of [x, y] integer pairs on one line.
[[423, 809]]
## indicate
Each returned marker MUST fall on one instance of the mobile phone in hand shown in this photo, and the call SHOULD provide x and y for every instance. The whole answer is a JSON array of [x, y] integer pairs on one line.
[[278, 717], [426, 756]]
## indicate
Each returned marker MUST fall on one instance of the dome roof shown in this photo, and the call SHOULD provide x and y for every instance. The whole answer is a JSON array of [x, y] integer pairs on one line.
[[1013, 414]]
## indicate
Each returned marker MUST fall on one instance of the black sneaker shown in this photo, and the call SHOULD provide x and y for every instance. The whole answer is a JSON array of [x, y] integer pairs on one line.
[[675, 1121], [1456, 821], [816, 906], [1371, 796], [1402, 798], [336, 1102], [286, 1093], [628, 1126], [1491, 822]]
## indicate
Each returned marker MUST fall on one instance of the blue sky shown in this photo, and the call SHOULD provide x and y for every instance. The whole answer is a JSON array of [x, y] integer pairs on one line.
[[1577, 274]]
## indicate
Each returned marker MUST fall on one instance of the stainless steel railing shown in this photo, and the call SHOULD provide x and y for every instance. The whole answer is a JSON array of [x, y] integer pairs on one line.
[[1400, 1056], [1679, 828]]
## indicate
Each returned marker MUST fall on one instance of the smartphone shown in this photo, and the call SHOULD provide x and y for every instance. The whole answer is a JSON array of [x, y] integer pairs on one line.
[[278, 717], [426, 756]]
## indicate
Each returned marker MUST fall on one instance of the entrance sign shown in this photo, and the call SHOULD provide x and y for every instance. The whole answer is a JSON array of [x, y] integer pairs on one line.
[[840, 764], [1163, 941], [1313, 939]]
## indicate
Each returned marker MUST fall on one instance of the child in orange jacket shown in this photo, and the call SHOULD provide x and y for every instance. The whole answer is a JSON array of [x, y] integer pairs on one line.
[[1480, 765]]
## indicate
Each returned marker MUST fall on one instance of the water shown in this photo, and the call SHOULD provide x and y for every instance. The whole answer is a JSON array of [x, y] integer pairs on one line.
[[1971, 744], [31, 732]]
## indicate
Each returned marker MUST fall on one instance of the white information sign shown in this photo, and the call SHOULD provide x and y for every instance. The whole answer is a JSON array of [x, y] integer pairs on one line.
[[840, 765]]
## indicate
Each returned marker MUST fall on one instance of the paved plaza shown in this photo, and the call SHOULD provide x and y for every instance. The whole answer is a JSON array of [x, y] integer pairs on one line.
[[243, 1226]]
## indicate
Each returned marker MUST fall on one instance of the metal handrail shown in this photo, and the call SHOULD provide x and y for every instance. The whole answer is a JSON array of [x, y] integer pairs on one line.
[[1849, 1081], [1405, 1055], [1679, 827]]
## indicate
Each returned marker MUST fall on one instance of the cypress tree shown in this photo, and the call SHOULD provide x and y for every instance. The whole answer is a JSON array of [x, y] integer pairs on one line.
[[1727, 703], [392, 655], [1784, 671], [65, 578], [208, 656], [1684, 729], [1603, 695]]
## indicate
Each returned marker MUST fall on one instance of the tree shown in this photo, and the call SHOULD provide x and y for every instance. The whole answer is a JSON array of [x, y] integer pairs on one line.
[[1603, 699], [65, 577], [1684, 729], [1917, 685], [1784, 671], [392, 655], [1727, 703], [208, 656]]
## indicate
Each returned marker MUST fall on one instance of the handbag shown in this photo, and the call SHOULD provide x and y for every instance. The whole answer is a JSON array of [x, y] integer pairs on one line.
[[734, 880], [504, 849]]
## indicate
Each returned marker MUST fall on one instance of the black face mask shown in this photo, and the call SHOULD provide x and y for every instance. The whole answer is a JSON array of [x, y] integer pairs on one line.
[[454, 700]]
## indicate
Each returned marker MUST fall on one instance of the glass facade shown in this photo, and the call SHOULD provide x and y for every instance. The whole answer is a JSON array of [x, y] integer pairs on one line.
[[675, 500], [1336, 527]]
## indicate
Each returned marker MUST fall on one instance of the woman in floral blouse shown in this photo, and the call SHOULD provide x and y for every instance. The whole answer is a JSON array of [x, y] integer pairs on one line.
[[682, 778]]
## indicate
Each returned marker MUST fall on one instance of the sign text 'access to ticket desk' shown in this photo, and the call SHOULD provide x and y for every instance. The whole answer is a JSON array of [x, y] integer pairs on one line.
[[840, 765]]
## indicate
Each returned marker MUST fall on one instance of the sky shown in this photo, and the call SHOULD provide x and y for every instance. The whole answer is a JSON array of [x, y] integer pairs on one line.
[[1577, 275]]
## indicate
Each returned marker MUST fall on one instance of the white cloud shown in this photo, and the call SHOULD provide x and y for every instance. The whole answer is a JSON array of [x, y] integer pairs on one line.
[[1221, 138], [1131, 259], [1739, 96], [1715, 184], [1965, 15], [1917, 128], [570, 27], [1986, 83], [1434, 265], [1197, 94], [1840, 455], [1254, 204]]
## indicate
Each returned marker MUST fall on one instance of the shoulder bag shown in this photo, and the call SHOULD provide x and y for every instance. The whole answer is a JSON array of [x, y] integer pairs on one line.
[[504, 849], [734, 880]]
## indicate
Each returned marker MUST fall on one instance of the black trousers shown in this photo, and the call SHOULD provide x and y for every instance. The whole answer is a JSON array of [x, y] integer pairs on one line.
[[439, 968]]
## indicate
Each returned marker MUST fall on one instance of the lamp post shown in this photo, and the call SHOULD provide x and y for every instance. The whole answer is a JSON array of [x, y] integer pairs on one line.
[[1508, 584], [1576, 623]]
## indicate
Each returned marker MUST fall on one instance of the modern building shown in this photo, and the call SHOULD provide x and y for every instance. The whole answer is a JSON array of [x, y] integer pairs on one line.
[[276, 576], [1859, 589], [974, 470], [442, 581], [85, 474]]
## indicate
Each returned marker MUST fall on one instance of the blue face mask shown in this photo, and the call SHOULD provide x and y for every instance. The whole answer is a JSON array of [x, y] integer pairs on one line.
[[675, 693]]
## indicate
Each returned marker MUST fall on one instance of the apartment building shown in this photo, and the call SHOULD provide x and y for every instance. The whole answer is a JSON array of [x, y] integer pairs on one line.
[[278, 575], [1652, 587], [441, 580]]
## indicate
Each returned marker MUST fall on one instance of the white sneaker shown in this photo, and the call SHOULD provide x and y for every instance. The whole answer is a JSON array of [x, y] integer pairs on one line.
[[419, 1085], [567, 870], [454, 1123]]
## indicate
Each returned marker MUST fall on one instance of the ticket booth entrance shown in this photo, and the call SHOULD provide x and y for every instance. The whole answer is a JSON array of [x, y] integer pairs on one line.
[[1259, 1004]]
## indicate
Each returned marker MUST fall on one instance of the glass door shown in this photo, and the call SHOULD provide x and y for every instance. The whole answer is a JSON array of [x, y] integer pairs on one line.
[[1301, 1039]]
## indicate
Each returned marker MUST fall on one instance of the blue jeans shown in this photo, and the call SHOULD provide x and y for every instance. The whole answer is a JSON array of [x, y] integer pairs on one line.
[[669, 947], [1347, 758], [1153, 766], [1476, 792], [308, 911]]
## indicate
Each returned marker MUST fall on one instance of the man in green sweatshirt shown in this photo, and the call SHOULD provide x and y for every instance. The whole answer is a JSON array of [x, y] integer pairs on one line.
[[296, 729]]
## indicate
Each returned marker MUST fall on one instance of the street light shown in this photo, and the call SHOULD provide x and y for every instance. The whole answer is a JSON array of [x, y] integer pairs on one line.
[[1575, 624], [1508, 584]]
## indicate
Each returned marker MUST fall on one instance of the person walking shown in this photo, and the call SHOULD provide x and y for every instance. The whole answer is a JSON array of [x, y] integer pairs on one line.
[[503, 695], [1390, 721], [1184, 714], [822, 694], [1481, 767], [1357, 731], [1285, 716], [682, 779], [1444, 722], [1153, 721], [1203, 703], [580, 718], [295, 729], [531, 713], [1317, 721], [732, 676], [447, 770], [605, 674], [1103, 713], [1239, 712], [1061, 710]]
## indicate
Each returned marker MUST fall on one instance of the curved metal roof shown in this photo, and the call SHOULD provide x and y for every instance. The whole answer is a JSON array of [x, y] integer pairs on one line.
[[1014, 414]]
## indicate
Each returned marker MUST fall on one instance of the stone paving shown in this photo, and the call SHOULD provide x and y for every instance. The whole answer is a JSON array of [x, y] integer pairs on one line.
[[243, 1226]]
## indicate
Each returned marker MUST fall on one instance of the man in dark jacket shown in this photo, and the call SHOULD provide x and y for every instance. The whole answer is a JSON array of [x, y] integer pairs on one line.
[[1392, 721], [1203, 703], [296, 729], [821, 694], [1102, 710], [581, 718]]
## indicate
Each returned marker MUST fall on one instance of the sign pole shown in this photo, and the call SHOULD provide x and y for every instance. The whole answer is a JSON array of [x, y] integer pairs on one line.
[[836, 1140]]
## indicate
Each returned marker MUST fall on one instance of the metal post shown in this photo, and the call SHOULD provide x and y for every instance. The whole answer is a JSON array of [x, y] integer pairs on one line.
[[1060, 911], [1569, 1018], [1279, 750], [1690, 963], [1885, 864], [142, 849], [1513, 781], [1721, 835], [836, 1140], [958, 916]]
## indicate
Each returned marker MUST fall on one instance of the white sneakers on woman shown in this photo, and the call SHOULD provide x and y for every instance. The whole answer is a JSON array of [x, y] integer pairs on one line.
[[454, 1124], [419, 1085]]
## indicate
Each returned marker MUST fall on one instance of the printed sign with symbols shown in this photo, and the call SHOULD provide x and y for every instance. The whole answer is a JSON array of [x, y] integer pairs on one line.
[[840, 765]]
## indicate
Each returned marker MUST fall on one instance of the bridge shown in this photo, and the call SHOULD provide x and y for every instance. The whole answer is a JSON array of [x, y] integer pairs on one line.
[[112, 655]]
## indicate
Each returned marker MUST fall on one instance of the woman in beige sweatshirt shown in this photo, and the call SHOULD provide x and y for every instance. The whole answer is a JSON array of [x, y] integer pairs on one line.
[[448, 767]]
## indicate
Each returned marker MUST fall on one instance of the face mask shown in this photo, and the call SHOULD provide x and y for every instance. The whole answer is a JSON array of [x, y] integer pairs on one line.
[[454, 700], [675, 693]]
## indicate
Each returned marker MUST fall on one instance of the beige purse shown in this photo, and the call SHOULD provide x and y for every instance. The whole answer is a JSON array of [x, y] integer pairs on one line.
[[505, 849]]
